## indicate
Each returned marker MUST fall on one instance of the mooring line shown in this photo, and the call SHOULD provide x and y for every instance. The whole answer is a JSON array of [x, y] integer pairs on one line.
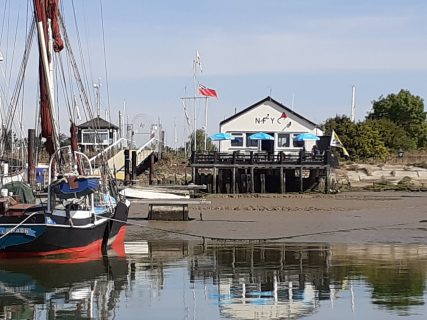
[[257, 239]]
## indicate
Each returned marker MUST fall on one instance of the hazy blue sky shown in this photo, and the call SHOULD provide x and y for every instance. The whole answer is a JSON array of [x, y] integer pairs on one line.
[[311, 50]]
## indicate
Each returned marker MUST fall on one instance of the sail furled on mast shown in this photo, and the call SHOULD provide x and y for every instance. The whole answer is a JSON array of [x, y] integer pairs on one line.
[[46, 15]]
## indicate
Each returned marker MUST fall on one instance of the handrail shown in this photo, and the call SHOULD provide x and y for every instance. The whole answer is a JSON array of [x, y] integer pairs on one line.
[[106, 149], [145, 145], [53, 158]]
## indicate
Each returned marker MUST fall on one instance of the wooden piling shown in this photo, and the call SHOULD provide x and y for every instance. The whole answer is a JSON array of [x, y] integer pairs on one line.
[[301, 181], [282, 182], [262, 182], [233, 181], [327, 180], [127, 165], [151, 171], [133, 162], [252, 180], [214, 180], [31, 163]]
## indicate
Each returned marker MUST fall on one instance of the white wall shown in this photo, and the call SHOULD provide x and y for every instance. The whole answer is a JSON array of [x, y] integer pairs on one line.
[[267, 117]]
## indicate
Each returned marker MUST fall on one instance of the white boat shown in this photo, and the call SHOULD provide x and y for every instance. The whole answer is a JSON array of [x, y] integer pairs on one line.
[[138, 193]]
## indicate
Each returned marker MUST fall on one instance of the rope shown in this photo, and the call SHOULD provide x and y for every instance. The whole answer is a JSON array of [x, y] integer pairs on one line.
[[19, 224], [255, 239], [127, 222], [105, 61]]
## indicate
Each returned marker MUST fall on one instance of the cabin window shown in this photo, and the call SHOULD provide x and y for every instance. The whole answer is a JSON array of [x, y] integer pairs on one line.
[[238, 140], [249, 142], [92, 137], [297, 144], [283, 140]]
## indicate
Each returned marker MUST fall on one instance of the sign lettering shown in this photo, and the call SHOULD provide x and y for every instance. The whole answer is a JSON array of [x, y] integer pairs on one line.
[[26, 231]]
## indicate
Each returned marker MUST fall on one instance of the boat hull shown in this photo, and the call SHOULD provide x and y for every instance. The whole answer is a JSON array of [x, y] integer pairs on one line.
[[58, 238]]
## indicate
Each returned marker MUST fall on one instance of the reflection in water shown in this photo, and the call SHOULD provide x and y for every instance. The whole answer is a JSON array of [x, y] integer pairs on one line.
[[61, 288], [187, 280]]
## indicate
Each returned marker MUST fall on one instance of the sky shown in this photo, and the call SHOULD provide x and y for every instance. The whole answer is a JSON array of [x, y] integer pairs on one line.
[[306, 54]]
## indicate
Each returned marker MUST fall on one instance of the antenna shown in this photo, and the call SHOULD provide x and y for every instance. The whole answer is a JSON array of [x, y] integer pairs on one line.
[[353, 105], [293, 100]]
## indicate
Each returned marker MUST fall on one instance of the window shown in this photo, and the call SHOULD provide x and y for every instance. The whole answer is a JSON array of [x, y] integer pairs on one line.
[[92, 137], [238, 140], [283, 140], [249, 142], [297, 144]]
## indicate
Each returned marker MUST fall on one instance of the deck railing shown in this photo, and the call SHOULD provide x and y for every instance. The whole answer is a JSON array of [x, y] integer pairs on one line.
[[235, 158]]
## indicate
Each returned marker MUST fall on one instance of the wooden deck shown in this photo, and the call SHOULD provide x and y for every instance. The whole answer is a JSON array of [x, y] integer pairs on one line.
[[255, 172]]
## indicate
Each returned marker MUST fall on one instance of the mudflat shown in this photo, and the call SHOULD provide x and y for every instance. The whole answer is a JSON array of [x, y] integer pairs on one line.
[[348, 217]]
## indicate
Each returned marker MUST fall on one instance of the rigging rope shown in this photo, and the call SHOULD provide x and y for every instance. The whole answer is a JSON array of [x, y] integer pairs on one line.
[[105, 59], [20, 79]]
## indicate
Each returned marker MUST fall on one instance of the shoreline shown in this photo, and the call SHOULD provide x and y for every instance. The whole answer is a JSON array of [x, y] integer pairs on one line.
[[346, 217]]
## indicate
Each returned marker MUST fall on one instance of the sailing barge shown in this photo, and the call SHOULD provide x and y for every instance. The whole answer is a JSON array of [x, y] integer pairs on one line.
[[83, 212]]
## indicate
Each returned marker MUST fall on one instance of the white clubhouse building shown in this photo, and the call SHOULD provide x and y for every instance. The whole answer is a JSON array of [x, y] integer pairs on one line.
[[273, 118]]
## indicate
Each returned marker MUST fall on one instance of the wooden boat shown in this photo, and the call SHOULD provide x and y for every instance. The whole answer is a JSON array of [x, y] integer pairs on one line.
[[83, 213]]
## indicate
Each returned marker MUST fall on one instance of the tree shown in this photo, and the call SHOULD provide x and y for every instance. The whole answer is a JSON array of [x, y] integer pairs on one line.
[[361, 140], [200, 142], [367, 143], [405, 110], [393, 136]]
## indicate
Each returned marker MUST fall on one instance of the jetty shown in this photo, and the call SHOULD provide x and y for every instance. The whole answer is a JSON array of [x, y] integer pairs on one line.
[[262, 172]]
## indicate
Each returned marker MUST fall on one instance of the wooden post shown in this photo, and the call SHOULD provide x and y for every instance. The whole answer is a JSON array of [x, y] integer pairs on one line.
[[150, 177], [248, 181], [220, 181], [133, 174], [301, 181], [262, 180], [31, 164], [127, 164], [214, 180], [193, 175], [233, 181], [281, 157], [282, 181], [252, 180], [327, 179]]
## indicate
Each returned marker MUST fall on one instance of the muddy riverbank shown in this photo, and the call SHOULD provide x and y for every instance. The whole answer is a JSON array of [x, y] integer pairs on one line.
[[349, 217]]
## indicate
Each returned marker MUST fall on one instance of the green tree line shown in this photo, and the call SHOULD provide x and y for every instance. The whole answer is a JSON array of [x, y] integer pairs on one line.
[[396, 122]]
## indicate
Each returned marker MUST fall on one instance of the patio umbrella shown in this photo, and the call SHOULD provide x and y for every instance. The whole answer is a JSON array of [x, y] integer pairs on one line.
[[221, 136], [261, 136], [306, 136]]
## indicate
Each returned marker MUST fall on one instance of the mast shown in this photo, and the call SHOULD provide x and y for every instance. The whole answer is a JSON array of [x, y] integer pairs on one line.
[[46, 15], [353, 104]]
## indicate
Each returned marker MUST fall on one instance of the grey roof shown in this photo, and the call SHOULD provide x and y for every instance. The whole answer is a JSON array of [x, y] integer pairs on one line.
[[261, 102], [98, 123]]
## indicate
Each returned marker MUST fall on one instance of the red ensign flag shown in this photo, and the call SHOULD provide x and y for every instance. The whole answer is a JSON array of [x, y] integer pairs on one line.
[[207, 92]]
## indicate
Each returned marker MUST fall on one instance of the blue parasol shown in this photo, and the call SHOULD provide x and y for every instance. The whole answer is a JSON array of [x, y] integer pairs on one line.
[[261, 136], [306, 136], [221, 136]]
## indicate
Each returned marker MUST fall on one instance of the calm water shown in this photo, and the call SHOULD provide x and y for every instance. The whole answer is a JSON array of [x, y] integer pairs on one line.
[[186, 280]]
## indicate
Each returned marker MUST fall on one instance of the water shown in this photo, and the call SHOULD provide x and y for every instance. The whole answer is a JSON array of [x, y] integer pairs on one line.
[[189, 280]]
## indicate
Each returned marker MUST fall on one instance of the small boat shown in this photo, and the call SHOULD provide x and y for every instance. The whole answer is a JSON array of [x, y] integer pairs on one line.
[[83, 213], [138, 193]]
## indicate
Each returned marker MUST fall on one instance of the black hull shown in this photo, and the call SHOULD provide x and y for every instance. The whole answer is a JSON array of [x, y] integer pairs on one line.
[[67, 239]]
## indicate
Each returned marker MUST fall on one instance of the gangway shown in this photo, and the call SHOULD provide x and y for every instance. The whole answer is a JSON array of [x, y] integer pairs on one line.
[[117, 162]]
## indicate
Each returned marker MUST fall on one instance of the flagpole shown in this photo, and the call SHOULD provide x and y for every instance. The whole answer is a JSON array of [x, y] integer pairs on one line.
[[195, 92], [206, 123]]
